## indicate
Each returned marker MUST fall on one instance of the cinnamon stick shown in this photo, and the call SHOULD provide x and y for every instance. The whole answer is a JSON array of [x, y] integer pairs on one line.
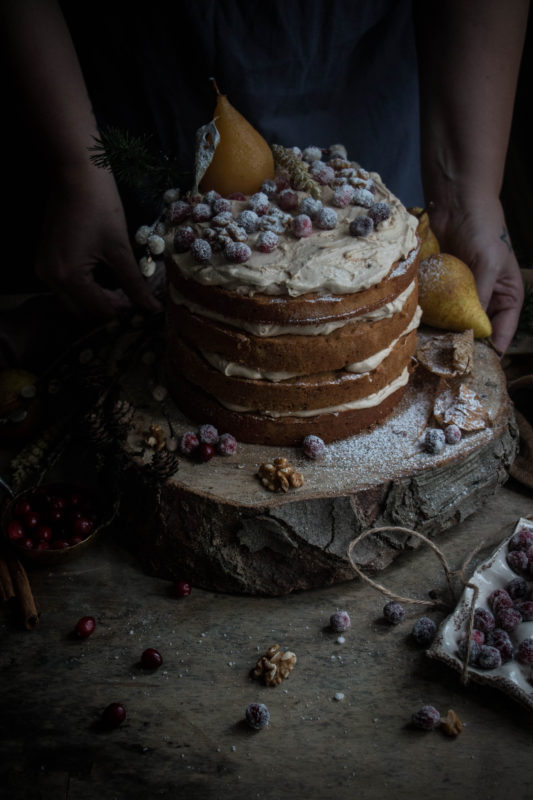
[[7, 590], [24, 594]]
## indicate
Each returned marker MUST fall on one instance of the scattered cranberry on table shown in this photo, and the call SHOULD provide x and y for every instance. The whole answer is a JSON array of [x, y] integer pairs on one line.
[[84, 627], [151, 658], [113, 715], [183, 589]]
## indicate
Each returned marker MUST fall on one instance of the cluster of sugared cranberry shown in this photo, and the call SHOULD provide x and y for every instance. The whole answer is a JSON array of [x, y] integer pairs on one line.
[[206, 442], [275, 209], [52, 517], [509, 606]]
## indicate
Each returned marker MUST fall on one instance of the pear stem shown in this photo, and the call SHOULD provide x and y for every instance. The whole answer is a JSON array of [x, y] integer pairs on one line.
[[213, 81]]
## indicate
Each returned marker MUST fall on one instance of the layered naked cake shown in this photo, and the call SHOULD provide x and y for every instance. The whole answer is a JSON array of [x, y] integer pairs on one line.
[[291, 314]]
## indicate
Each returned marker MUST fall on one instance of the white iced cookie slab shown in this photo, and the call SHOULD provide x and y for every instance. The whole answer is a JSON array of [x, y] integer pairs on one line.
[[512, 677]]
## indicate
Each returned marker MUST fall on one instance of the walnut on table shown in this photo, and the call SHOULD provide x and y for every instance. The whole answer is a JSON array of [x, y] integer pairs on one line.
[[279, 476], [155, 437], [274, 666]]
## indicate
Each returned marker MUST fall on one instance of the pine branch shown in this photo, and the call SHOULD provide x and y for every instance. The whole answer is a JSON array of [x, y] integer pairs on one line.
[[135, 163]]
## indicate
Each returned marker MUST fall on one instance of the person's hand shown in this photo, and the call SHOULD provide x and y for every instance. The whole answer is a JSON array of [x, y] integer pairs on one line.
[[84, 227], [476, 233]]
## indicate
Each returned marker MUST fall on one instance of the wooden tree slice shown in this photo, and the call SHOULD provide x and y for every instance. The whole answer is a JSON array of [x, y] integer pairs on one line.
[[215, 524]]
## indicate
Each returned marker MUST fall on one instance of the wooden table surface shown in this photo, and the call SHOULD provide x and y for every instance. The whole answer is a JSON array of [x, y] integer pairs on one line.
[[185, 734]]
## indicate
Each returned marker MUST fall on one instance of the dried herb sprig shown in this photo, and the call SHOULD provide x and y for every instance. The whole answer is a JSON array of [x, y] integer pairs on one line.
[[297, 169]]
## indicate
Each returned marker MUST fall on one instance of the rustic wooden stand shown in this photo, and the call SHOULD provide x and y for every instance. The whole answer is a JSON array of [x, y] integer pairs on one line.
[[215, 524]]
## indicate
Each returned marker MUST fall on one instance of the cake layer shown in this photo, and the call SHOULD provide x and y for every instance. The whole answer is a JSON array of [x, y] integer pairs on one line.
[[306, 308], [284, 431], [350, 343], [303, 393]]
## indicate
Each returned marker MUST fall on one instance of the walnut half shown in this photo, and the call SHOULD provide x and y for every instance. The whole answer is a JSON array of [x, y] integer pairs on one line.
[[274, 666], [451, 724], [279, 476]]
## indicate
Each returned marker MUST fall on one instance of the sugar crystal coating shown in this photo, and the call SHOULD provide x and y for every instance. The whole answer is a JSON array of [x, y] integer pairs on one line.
[[178, 211], [313, 446], [221, 205], [201, 212], [499, 598], [321, 172], [518, 561], [288, 200], [362, 197], [257, 716], [248, 220], [502, 641], [484, 620], [424, 631], [269, 188], [508, 618], [259, 203], [302, 226], [489, 657], [522, 539], [237, 252], [379, 212], [310, 207], [426, 718], [340, 621], [311, 154], [361, 226], [227, 445], [434, 440], [201, 251], [343, 196], [183, 238], [524, 652], [326, 219], [188, 443], [266, 242], [207, 434], [393, 612], [452, 434]]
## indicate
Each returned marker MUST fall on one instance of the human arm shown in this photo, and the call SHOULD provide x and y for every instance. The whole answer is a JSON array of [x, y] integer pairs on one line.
[[469, 58], [84, 222]]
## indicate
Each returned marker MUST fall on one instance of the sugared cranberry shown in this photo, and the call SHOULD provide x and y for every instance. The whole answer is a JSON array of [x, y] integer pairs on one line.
[[424, 631], [517, 589], [266, 242], [56, 515], [379, 212], [302, 226], [188, 443], [205, 452], [522, 539], [201, 251], [227, 445], [207, 434], [426, 718], [114, 715], [257, 716], [508, 618], [183, 589], [179, 211], [499, 598], [15, 530], [259, 203], [237, 252], [489, 657], [313, 447], [525, 608], [31, 519], [288, 200], [84, 627], [43, 546], [74, 540], [183, 239], [502, 641], [221, 205], [464, 651], [75, 499], [452, 434], [151, 658], [236, 196], [82, 527], [524, 653], [484, 620], [340, 621], [518, 561], [326, 219], [361, 226], [393, 612], [434, 440]]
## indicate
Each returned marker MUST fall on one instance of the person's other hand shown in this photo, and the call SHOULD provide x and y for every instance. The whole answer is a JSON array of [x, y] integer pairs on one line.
[[477, 233], [84, 227]]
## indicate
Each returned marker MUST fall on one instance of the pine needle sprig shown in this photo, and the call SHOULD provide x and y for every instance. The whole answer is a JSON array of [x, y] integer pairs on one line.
[[297, 169], [136, 164]]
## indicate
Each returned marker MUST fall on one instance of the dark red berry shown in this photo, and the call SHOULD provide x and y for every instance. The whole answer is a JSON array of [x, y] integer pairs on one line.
[[227, 445], [31, 519], [183, 239], [201, 212], [288, 200], [464, 651], [74, 540], [363, 197], [259, 203], [313, 447], [179, 211], [343, 196], [248, 220], [84, 627], [310, 207], [393, 612], [113, 715], [60, 544], [205, 452], [82, 527], [525, 608], [151, 659], [201, 251], [27, 543], [257, 716], [452, 434], [326, 219], [518, 561], [43, 546], [478, 636], [183, 589], [221, 205], [56, 515], [426, 718], [23, 507], [434, 440], [236, 196], [15, 530], [499, 598], [188, 443], [237, 252]]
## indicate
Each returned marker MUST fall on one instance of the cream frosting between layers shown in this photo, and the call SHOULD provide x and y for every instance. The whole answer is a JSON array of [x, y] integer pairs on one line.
[[366, 402], [232, 369], [265, 330], [328, 261]]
